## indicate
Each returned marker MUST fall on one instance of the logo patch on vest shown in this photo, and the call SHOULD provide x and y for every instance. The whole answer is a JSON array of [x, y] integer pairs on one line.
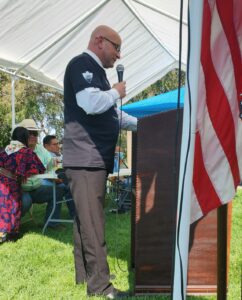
[[88, 76]]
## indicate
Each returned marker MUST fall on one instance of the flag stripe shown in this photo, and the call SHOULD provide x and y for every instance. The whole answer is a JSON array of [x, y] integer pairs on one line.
[[212, 151], [237, 11], [218, 143], [224, 66], [202, 184], [225, 10], [218, 107], [196, 212], [225, 70]]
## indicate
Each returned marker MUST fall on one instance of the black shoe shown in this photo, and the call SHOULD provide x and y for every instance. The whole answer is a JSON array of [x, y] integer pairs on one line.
[[115, 294], [13, 237]]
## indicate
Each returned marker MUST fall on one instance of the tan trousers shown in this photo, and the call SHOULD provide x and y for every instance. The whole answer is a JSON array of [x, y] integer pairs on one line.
[[90, 253]]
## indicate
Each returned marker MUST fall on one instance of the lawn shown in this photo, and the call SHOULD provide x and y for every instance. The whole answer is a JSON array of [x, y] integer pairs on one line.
[[41, 266]]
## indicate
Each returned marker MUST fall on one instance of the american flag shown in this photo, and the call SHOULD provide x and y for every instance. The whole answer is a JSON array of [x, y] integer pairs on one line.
[[211, 156], [218, 141]]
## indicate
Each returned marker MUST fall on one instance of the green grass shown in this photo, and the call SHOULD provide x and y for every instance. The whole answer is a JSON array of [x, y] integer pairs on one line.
[[235, 274], [41, 266]]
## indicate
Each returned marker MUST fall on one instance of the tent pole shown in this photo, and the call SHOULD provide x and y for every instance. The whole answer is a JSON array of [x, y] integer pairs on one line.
[[135, 13], [13, 100], [31, 80], [162, 12]]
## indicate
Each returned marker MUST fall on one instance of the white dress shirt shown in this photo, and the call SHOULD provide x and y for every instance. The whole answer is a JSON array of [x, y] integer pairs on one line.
[[94, 101]]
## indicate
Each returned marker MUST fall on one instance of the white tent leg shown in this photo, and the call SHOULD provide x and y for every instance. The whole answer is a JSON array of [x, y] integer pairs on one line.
[[13, 101]]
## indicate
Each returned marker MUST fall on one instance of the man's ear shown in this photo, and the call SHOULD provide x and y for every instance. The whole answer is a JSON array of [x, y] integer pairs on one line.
[[99, 42]]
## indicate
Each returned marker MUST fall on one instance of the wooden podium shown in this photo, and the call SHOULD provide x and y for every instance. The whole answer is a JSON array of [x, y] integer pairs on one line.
[[155, 180]]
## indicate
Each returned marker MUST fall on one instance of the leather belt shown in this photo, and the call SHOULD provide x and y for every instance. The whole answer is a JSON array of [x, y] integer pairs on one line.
[[7, 173]]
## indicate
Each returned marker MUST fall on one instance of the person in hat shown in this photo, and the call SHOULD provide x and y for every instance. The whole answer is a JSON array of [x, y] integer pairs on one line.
[[35, 189], [17, 163]]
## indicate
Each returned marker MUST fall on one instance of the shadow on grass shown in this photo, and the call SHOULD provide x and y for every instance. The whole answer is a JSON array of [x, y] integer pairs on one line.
[[118, 228], [35, 224]]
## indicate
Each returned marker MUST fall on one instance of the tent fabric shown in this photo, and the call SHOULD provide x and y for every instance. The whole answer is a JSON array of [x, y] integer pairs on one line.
[[156, 104], [38, 38]]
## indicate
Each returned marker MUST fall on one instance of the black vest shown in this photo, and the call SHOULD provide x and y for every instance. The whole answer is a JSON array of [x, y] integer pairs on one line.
[[89, 140]]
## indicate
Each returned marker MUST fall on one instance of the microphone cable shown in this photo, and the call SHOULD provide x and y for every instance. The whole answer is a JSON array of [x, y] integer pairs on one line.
[[118, 195]]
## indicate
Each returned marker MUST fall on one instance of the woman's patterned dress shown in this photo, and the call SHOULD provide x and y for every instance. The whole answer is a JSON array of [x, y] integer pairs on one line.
[[22, 164]]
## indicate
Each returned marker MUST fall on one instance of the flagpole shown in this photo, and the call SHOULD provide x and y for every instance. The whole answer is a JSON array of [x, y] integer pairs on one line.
[[187, 153], [222, 251]]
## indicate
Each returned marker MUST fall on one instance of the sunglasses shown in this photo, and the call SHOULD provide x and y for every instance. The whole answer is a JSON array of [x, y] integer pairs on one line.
[[117, 47], [32, 132]]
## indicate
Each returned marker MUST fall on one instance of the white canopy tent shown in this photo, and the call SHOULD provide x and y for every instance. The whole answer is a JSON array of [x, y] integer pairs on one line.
[[38, 38]]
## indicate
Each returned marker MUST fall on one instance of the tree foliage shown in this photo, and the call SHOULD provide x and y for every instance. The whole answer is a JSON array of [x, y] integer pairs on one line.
[[167, 83], [32, 101], [5, 109]]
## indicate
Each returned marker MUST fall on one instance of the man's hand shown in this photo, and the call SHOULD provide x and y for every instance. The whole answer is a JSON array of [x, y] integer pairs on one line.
[[58, 180], [121, 88]]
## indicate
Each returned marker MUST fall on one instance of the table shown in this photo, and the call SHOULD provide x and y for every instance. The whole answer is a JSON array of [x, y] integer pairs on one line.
[[53, 176], [121, 173]]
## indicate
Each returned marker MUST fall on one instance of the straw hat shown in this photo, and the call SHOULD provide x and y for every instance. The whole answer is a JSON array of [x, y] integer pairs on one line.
[[29, 124]]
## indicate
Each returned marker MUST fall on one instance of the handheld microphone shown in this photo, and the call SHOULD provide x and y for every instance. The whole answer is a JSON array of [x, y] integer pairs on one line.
[[120, 72]]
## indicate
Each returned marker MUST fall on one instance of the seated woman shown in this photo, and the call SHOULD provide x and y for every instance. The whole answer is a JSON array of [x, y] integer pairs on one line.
[[17, 163]]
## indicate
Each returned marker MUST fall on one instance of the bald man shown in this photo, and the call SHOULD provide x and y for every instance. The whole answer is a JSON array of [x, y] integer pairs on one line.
[[92, 123]]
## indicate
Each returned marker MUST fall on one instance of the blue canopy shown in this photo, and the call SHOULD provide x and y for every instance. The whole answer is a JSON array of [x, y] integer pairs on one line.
[[155, 104]]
